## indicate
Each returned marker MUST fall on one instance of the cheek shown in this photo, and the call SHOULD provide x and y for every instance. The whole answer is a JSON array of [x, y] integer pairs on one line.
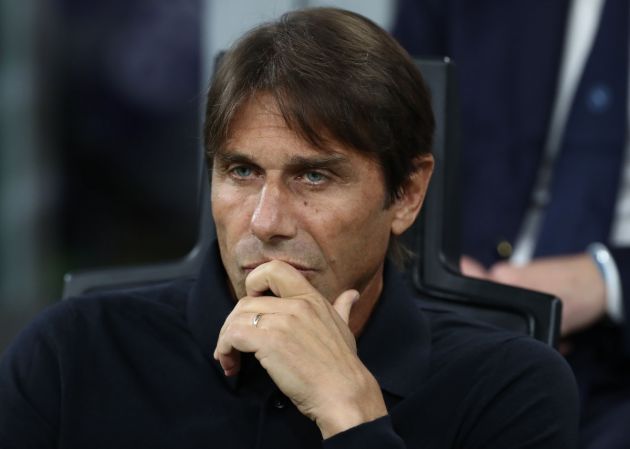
[[352, 234], [231, 225], [230, 221], [229, 209]]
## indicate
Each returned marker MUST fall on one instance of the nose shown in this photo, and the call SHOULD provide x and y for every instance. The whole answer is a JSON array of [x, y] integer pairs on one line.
[[272, 219]]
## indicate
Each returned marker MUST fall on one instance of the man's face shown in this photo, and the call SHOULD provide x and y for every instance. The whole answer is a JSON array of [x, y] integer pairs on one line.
[[275, 196]]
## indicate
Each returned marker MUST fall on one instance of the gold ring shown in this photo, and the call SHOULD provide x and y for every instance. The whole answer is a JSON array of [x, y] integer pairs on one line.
[[256, 319]]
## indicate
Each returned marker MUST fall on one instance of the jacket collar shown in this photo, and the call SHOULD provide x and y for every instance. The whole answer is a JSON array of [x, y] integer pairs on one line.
[[396, 342]]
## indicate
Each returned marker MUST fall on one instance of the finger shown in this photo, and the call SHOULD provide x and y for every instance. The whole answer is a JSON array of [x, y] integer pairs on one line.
[[252, 306], [471, 268], [281, 278], [262, 304], [240, 335], [231, 363], [344, 302], [243, 315], [506, 273]]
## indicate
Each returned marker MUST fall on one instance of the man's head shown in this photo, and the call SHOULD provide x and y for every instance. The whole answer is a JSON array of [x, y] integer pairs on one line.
[[318, 130]]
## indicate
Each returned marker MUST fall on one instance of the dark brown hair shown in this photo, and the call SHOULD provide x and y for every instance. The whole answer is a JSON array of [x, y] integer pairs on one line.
[[334, 75]]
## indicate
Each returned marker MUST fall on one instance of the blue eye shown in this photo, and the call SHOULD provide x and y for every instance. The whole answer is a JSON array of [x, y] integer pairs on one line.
[[242, 171], [314, 177]]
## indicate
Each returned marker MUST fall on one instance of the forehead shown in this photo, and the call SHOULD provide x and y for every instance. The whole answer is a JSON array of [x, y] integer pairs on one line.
[[259, 130], [259, 118]]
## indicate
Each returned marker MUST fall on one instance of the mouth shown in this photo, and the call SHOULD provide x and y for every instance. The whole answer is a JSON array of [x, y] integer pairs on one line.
[[305, 270]]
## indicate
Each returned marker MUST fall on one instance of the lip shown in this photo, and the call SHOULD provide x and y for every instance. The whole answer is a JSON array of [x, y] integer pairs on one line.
[[301, 268]]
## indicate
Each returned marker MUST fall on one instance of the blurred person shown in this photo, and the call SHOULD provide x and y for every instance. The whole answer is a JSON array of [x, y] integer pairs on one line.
[[127, 94], [297, 332], [545, 172]]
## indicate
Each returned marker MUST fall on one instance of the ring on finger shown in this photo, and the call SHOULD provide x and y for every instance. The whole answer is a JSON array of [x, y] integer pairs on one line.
[[256, 319]]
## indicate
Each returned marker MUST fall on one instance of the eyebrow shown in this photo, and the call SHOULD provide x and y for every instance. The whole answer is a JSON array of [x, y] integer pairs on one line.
[[298, 163], [225, 158], [295, 163]]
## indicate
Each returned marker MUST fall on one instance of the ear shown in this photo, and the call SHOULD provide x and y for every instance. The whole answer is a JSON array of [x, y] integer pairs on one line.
[[407, 207]]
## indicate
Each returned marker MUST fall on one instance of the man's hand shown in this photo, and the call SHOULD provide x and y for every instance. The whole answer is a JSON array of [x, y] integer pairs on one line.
[[305, 345], [574, 279]]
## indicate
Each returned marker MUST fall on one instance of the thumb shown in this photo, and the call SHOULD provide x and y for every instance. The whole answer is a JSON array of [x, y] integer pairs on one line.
[[344, 302]]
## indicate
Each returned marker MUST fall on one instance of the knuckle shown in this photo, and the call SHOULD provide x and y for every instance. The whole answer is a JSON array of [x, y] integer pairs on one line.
[[244, 303], [285, 324], [276, 339], [238, 334], [302, 306]]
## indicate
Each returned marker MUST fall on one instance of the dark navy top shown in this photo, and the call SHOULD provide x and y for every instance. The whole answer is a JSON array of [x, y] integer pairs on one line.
[[134, 369]]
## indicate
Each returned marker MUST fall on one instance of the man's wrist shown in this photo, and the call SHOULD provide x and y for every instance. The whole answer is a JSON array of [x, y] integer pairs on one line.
[[610, 274], [341, 415], [345, 419], [376, 434]]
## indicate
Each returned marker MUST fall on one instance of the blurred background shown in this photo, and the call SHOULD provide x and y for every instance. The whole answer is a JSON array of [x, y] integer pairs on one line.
[[100, 115]]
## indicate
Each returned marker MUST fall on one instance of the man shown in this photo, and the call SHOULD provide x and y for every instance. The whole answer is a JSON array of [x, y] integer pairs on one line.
[[546, 169], [297, 332]]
